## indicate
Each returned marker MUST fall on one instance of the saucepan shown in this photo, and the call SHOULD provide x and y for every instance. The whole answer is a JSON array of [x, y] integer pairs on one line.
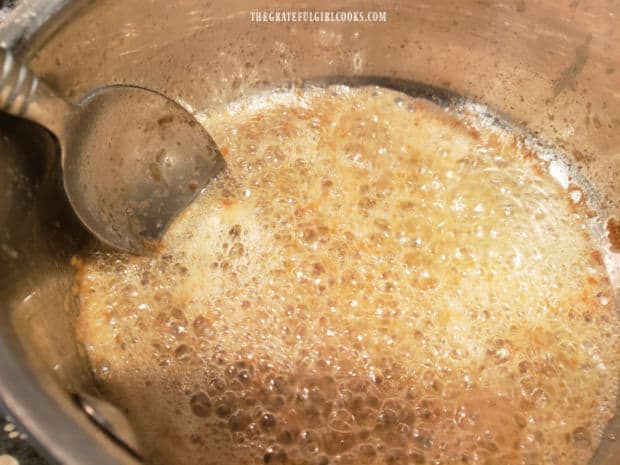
[[550, 66]]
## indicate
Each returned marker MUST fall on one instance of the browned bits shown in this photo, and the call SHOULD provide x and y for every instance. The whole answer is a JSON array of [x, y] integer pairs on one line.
[[613, 233], [373, 285], [165, 120], [235, 231]]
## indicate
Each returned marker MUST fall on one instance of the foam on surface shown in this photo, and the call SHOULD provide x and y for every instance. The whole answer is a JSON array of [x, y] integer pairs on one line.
[[371, 281]]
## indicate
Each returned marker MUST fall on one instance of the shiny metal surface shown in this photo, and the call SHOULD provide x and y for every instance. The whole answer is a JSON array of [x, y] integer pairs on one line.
[[32, 19], [551, 67], [23, 94], [132, 159], [111, 420]]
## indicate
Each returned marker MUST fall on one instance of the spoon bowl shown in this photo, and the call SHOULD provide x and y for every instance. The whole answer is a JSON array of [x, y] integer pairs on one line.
[[132, 158]]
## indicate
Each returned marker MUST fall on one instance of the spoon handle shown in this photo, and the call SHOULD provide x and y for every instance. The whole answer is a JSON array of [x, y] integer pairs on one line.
[[23, 94]]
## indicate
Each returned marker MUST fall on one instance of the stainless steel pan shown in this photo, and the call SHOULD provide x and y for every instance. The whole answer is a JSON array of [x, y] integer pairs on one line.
[[552, 66]]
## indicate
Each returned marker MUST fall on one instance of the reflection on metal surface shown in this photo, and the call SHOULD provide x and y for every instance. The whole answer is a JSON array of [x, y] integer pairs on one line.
[[111, 420], [132, 159], [509, 55]]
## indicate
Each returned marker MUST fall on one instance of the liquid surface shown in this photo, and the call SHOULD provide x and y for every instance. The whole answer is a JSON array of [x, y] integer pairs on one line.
[[373, 280]]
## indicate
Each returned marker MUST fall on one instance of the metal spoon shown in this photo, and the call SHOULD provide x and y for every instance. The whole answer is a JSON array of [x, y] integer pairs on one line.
[[132, 159]]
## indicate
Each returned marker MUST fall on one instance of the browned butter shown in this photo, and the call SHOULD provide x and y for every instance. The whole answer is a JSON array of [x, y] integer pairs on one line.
[[372, 280]]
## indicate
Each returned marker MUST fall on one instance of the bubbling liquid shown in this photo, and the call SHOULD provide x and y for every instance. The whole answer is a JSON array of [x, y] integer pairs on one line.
[[374, 279]]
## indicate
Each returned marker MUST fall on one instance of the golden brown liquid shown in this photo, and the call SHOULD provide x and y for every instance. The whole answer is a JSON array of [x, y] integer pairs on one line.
[[373, 280]]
